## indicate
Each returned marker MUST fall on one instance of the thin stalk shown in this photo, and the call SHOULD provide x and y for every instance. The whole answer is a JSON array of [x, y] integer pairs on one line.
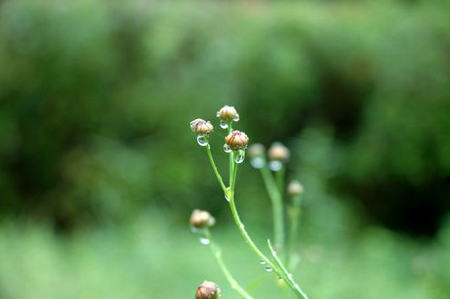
[[280, 271], [231, 155], [294, 218], [277, 207], [217, 253], [279, 176], [289, 277], [216, 171]]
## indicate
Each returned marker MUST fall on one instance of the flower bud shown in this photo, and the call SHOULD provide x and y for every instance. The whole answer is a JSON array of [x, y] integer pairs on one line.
[[294, 188], [237, 140], [256, 150], [207, 290], [278, 151], [201, 127], [228, 113], [201, 219]]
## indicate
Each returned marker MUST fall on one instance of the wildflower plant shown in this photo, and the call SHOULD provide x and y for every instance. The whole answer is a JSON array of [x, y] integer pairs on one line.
[[272, 170]]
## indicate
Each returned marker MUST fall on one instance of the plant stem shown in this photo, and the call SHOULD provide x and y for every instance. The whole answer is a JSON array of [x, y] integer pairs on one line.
[[216, 171], [288, 278], [231, 155], [217, 253], [277, 207], [280, 270], [279, 175], [294, 221]]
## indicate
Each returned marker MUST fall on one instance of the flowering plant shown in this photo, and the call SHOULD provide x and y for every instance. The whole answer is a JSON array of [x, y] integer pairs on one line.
[[281, 260]]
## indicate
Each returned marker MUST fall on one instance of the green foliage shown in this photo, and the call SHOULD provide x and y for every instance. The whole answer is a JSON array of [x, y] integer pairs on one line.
[[96, 97], [158, 256]]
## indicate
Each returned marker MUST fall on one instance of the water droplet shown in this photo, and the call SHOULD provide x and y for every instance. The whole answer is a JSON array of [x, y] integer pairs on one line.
[[257, 162], [290, 276], [223, 124], [226, 195], [202, 140], [262, 262], [275, 165], [226, 148], [204, 240], [242, 226], [268, 269], [239, 157], [194, 230], [236, 117]]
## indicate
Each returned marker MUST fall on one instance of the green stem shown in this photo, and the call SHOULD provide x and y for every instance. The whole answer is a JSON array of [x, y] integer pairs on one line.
[[217, 253], [216, 171], [231, 155], [279, 175], [294, 222], [287, 276], [277, 207], [280, 271]]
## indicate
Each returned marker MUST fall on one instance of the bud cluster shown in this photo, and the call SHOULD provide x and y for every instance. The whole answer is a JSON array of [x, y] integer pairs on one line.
[[277, 155]]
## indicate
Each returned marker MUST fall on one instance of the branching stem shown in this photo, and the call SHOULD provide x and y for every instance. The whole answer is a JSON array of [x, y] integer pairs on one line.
[[277, 266], [216, 171], [217, 253]]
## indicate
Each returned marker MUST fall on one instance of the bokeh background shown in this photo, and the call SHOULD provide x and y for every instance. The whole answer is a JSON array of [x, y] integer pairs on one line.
[[99, 171]]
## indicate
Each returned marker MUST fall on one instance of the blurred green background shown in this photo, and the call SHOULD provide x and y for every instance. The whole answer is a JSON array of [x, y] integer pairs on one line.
[[99, 171]]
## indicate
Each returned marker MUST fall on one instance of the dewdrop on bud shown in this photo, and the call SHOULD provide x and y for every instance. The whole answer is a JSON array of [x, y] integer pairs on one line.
[[294, 188], [240, 156], [278, 151], [201, 219], [201, 127], [256, 153], [237, 140], [227, 114], [207, 290]]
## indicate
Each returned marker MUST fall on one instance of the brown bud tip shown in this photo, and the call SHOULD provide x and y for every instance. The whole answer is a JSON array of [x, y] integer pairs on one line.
[[201, 219], [294, 188], [237, 140], [201, 127], [278, 151], [228, 113], [207, 290], [256, 150]]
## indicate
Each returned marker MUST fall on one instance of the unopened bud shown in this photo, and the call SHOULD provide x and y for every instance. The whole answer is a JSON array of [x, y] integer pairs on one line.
[[278, 151], [228, 113], [294, 188], [237, 140], [256, 150], [201, 127], [207, 290], [201, 219]]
